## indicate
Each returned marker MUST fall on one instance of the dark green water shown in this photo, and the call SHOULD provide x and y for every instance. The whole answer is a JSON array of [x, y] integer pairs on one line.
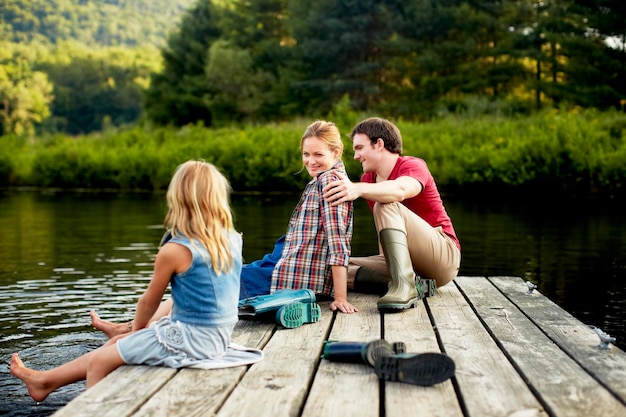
[[63, 254]]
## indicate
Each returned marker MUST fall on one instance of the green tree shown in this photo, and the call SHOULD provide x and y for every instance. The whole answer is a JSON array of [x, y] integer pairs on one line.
[[25, 96], [599, 66], [443, 51], [238, 89], [97, 88], [566, 42], [178, 95], [260, 28], [343, 46], [94, 23]]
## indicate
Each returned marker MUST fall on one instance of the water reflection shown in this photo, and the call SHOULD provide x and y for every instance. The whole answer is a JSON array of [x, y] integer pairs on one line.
[[574, 250], [64, 254]]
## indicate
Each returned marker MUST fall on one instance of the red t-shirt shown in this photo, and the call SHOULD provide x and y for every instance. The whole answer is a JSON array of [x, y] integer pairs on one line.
[[427, 204]]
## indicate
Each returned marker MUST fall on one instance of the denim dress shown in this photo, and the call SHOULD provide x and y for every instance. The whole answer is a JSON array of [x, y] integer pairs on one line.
[[203, 315]]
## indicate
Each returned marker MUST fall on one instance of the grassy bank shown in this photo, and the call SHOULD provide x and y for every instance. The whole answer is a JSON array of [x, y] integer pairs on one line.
[[570, 152]]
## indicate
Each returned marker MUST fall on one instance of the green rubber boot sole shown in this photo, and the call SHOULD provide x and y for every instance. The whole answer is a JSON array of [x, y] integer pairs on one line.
[[296, 314]]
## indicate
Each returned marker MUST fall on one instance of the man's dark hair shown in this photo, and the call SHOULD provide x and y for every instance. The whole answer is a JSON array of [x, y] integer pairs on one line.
[[377, 128]]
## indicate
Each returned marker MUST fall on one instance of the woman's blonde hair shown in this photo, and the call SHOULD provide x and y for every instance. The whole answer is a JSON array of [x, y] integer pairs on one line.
[[327, 132], [198, 198]]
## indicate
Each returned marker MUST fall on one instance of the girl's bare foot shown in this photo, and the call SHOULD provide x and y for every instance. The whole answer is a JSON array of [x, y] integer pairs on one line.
[[36, 385], [110, 329]]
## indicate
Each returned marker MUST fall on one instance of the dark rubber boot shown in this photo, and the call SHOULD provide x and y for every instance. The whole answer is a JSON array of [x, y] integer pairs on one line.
[[370, 281], [360, 352], [423, 369], [378, 348]]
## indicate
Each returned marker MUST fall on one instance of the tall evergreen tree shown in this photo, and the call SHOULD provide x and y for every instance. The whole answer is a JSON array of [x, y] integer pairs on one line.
[[178, 95], [453, 49], [343, 47], [257, 28], [571, 59], [599, 60]]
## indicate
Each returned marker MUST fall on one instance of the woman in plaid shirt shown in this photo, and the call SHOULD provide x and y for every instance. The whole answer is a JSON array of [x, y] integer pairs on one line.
[[317, 243]]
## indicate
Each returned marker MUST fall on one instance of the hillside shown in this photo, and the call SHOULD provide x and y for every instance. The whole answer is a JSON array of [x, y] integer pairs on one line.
[[102, 22]]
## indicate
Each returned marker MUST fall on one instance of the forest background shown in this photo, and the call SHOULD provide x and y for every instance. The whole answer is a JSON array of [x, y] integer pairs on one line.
[[494, 94]]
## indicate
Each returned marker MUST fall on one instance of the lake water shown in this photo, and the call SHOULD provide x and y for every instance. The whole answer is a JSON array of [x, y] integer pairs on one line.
[[66, 253]]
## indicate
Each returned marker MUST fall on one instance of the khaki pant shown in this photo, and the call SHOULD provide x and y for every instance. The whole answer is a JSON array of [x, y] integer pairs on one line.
[[433, 254]]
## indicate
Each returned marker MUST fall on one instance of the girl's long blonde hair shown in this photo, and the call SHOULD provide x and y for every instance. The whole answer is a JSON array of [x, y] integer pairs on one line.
[[198, 198]]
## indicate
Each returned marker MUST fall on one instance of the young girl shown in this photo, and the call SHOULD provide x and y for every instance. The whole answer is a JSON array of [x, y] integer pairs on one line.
[[202, 262]]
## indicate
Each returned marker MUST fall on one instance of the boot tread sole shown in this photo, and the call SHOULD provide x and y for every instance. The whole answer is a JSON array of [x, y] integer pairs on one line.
[[296, 314], [424, 369]]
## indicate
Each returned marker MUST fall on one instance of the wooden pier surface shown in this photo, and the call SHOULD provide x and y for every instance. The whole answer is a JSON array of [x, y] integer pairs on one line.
[[517, 354]]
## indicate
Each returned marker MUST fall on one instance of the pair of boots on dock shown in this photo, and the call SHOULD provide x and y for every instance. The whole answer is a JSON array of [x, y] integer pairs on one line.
[[391, 362], [292, 308]]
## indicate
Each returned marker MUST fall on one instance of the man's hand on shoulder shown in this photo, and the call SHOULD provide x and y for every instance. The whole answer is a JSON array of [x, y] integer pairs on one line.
[[341, 190]]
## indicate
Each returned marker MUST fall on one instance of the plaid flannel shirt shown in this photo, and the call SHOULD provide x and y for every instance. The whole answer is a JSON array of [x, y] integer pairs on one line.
[[318, 237]]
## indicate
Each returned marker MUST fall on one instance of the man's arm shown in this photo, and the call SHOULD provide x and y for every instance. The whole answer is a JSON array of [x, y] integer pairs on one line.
[[389, 191]]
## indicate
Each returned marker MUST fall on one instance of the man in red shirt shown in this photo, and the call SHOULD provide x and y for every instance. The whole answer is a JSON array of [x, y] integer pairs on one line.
[[416, 236]]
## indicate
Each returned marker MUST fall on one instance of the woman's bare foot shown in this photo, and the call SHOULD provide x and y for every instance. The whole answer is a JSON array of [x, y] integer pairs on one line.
[[109, 328], [37, 387]]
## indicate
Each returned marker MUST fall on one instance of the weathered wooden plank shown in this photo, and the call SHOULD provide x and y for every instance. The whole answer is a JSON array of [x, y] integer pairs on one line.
[[345, 389], [278, 385], [196, 392], [562, 385], [413, 327], [488, 383], [253, 333], [120, 394], [577, 339]]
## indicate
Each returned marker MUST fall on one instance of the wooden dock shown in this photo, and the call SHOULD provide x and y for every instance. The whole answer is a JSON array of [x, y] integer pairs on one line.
[[517, 354]]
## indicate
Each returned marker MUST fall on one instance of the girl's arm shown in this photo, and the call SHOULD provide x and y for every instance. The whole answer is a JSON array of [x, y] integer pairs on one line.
[[172, 258]]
